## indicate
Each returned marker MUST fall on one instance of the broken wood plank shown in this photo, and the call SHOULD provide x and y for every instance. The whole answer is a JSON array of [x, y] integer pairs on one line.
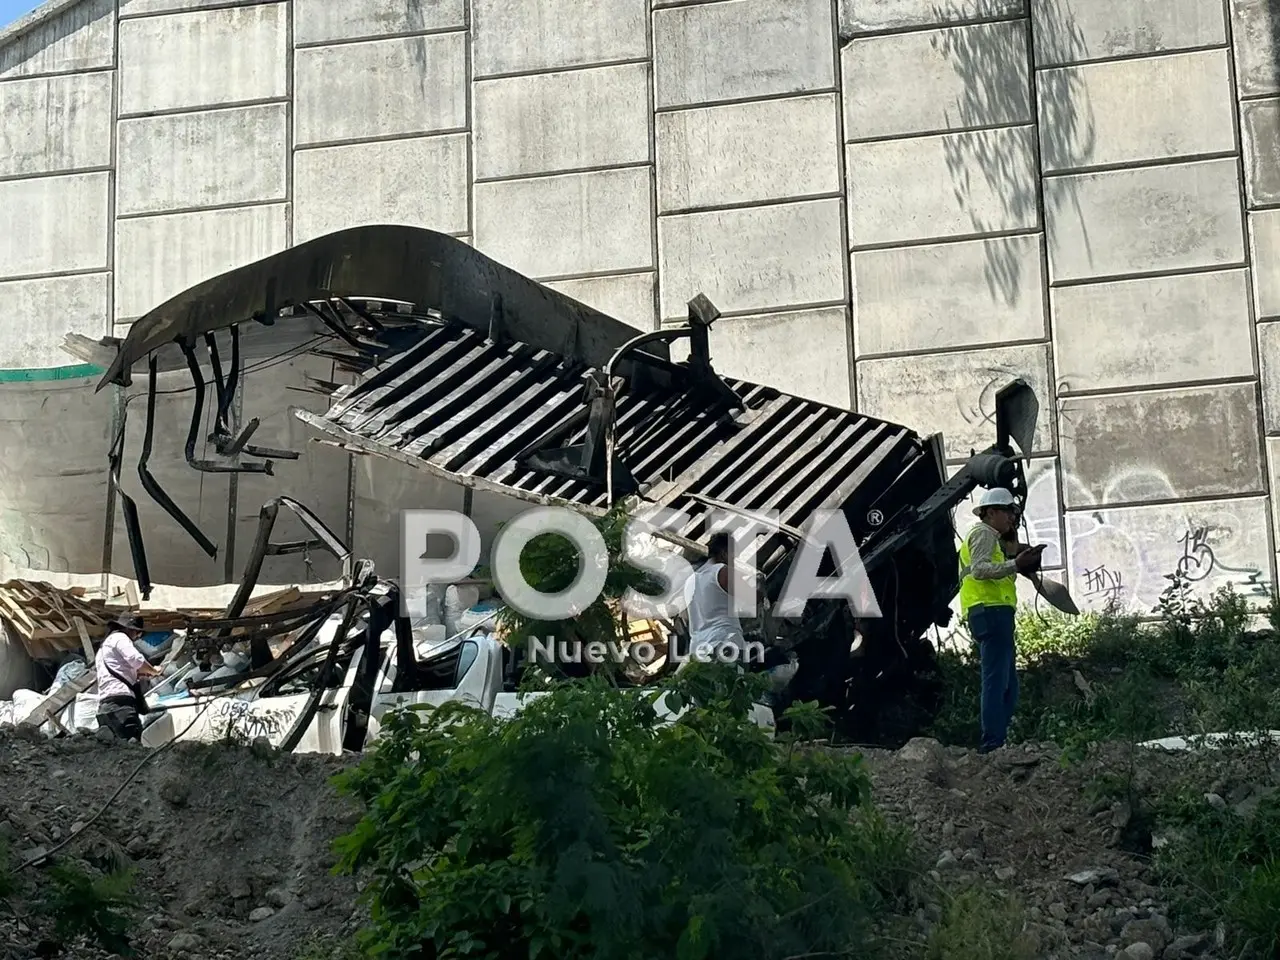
[[60, 699], [85, 643]]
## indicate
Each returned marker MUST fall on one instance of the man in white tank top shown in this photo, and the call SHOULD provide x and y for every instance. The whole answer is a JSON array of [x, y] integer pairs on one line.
[[710, 612]]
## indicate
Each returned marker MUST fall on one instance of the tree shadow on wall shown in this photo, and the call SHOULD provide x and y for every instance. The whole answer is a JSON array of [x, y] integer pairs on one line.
[[998, 91]]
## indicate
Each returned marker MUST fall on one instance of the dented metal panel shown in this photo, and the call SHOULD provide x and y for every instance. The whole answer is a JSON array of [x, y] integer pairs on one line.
[[468, 407]]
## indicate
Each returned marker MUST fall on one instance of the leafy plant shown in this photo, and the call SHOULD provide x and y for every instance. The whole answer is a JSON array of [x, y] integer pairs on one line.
[[91, 907], [583, 828], [551, 564]]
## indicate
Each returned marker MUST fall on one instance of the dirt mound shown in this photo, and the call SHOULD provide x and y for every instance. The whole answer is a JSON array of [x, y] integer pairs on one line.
[[1072, 842], [231, 845]]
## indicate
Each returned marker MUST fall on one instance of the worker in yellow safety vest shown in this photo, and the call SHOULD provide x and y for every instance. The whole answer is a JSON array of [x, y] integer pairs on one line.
[[988, 602]]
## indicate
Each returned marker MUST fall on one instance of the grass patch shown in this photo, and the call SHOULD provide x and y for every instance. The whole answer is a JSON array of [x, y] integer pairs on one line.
[[980, 924], [1107, 677], [1224, 867], [69, 903]]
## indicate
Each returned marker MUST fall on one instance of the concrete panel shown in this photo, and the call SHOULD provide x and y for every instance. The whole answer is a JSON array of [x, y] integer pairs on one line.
[[1269, 368], [1255, 34], [955, 393], [748, 152], [963, 184], [53, 224], [805, 352], [579, 223], [1145, 333], [629, 298], [1273, 469], [557, 122], [39, 313], [159, 257], [204, 59], [1073, 31], [142, 8], [752, 260], [948, 295], [936, 81], [1161, 445], [323, 21], [519, 36], [1260, 128], [1138, 221], [1157, 108], [1043, 518], [420, 182], [342, 92], [207, 159], [879, 16], [764, 48], [55, 124], [81, 38], [1127, 554], [55, 435], [1264, 242]]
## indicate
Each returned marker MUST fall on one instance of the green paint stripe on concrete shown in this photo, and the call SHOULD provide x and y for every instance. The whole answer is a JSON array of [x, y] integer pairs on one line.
[[29, 374]]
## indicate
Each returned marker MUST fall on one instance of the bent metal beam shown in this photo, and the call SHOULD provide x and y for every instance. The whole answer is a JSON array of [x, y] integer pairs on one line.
[[395, 262]]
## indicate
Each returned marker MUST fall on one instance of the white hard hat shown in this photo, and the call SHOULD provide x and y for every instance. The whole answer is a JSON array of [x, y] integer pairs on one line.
[[995, 497]]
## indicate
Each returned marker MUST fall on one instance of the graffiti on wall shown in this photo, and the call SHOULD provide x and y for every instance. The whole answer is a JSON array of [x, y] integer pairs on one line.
[[1125, 556]]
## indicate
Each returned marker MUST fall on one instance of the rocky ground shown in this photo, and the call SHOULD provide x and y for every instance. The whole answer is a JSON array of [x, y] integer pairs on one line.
[[1065, 840], [232, 846]]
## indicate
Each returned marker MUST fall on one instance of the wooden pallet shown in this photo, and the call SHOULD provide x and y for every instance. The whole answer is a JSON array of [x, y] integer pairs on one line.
[[49, 620], [45, 617]]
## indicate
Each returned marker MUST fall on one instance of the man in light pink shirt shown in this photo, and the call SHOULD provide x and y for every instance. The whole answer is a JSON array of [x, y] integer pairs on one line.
[[119, 666]]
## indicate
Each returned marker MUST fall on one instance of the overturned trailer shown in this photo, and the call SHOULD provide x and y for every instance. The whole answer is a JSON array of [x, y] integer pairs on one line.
[[476, 374]]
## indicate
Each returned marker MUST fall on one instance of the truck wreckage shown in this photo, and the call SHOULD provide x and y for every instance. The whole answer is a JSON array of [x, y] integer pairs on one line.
[[472, 372]]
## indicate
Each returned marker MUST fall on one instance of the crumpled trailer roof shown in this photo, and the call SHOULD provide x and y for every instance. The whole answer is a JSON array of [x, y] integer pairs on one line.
[[394, 262], [479, 412]]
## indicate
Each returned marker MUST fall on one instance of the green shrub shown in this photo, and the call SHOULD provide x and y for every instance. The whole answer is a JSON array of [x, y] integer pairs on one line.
[[1224, 867], [581, 828], [978, 924], [91, 907]]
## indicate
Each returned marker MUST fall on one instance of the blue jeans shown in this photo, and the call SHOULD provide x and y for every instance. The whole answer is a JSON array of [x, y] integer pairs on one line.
[[993, 629]]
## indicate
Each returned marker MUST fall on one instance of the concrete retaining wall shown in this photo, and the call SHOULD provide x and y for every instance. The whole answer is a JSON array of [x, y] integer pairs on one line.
[[897, 204]]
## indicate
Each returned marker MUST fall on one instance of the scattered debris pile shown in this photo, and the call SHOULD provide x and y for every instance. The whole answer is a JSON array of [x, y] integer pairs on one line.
[[61, 628]]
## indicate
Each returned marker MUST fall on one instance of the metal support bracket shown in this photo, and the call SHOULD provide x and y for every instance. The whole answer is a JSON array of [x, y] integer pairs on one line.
[[149, 483], [132, 526], [594, 460], [197, 414]]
